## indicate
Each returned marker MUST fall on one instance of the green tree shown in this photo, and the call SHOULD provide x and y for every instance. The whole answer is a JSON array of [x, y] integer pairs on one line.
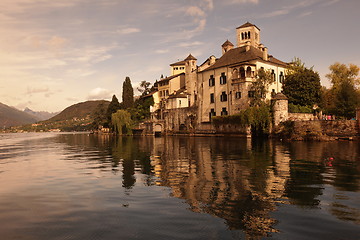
[[144, 88], [302, 85], [121, 120], [346, 96], [112, 108], [260, 87], [341, 73], [100, 117], [127, 94], [141, 110]]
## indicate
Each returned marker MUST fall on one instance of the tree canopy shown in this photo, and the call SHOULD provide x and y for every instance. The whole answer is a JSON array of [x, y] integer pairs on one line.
[[341, 73], [260, 87], [302, 85], [112, 108], [144, 88], [343, 97], [127, 94], [121, 120]]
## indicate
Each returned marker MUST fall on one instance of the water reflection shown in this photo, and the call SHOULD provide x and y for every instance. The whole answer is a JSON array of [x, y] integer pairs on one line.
[[242, 181]]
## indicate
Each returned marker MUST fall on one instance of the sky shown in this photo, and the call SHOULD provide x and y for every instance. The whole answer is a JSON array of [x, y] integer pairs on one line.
[[57, 53]]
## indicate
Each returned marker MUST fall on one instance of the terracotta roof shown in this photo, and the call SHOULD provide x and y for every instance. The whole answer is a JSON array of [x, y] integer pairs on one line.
[[171, 77], [179, 94], [240, 55], [227, 43], [247, 24], [190, 57], [178, 63]]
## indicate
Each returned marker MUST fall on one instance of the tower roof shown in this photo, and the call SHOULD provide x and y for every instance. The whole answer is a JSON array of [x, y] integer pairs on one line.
[[190, 57], [247, 24], [227, 43]]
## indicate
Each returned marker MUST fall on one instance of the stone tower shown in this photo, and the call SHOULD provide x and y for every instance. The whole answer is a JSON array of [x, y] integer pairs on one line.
[[248, 32], [190, 78], [227, 45], [280, 108]]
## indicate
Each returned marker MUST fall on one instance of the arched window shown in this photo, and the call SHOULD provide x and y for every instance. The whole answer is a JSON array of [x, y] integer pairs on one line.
[[248, 72], [242, 36], [248, 34], [242, 72], [235, 74]]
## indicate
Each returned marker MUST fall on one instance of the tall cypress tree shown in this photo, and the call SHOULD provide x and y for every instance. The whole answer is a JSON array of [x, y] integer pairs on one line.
[[114, 105], [127, 94]]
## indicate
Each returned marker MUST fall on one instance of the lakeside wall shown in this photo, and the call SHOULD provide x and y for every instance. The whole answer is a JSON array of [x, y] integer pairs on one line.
[[325, 130]]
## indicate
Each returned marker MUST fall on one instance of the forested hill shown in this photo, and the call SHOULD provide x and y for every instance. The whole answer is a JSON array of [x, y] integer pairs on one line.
[[79, 111], [12, 117]]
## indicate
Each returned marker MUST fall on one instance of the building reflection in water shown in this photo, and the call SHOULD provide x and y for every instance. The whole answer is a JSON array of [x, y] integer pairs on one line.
[[230, 181], [239, 180]]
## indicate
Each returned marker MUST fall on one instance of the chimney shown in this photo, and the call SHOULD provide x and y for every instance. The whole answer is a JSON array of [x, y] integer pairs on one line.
[[265, 54]]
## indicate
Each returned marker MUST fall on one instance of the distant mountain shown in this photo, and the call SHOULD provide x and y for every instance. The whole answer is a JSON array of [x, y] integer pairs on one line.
[[81, 110], [10, 117], [41, 116]]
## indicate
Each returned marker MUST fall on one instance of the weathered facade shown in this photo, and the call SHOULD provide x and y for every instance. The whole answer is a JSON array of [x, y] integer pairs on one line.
[[219, 86]]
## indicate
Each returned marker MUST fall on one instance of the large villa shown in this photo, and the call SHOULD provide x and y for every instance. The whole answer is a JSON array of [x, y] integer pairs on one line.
[[218, 86]]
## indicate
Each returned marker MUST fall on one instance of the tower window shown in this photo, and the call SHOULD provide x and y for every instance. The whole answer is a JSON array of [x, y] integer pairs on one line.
[[223, 97], [211, 81], [273, 75], [212, 113], [281, 77], [251, 94], [224, 111], [223, 78], [212, 98]]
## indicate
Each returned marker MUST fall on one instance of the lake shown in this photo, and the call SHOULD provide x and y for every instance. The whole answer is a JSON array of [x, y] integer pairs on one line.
[[81, 186]]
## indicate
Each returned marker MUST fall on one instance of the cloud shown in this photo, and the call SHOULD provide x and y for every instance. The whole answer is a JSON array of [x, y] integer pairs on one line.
[[195, 12], [241, 1], [128, 30], [190, 44], [209, 5], [99, 93], [161, 51], [31, 90], [287, 9]]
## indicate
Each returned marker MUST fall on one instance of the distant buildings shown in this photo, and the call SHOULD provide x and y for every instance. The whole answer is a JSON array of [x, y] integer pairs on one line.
[[218, 86]]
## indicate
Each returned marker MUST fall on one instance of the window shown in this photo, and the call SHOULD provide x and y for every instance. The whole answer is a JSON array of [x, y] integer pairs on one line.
[[223, 97], [167, 93], [212, 98], [223, 78], [212, 113], [273, 92], [248, 72], [224, 112], [242, 73], [238, 95], [273, 75], [281, 77], [211, 81], [179, 103], [251, 94]]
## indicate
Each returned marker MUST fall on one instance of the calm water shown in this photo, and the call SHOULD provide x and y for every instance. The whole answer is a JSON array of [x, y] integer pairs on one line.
[[80, 186]]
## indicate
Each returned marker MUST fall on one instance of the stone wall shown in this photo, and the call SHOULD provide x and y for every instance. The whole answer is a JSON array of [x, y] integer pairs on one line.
[[325, 130], [180, 120], [301, 116]]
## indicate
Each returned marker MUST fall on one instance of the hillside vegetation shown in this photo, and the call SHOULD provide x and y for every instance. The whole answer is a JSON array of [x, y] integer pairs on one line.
[[78, 117], [12, 117]]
